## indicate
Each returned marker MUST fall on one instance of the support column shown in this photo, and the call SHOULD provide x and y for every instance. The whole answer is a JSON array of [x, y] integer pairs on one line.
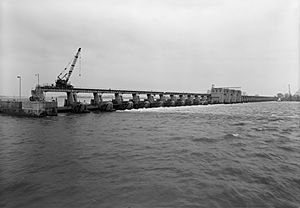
[[96, 98], [172, 97], [135, 98], [162, 97], [171, 101], [71, 98], [189, 100], [118, 98], [75, 97], [204, 100], [196, 100], [150, 98], [180, 101]]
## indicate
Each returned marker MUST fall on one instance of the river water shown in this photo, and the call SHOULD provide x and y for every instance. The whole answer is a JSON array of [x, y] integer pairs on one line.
[[241, 155]]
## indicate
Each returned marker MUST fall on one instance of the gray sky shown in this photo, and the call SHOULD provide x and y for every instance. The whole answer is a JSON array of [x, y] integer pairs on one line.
[[168, 45]]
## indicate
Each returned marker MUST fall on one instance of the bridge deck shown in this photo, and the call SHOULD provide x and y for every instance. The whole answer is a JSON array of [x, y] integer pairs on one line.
[[113, 91]]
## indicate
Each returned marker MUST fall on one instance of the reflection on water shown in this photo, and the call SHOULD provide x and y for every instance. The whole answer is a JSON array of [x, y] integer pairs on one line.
[[242, 155]]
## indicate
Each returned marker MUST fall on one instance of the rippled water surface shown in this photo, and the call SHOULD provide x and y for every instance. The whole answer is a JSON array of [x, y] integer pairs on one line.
[[242, 155]]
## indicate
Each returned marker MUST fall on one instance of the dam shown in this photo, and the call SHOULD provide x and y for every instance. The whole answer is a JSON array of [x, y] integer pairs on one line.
[[153, 98], [38, 106]]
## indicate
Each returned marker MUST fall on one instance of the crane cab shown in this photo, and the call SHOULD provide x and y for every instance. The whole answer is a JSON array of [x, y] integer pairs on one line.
[[63, 77], [62, 84]]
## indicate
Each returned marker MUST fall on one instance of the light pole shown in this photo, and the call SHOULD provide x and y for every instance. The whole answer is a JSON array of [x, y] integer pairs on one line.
[[19, 77], [38, 77]]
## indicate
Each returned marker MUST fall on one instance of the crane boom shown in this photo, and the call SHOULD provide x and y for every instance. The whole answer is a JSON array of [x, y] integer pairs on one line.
[[73, 65], [63, 78]]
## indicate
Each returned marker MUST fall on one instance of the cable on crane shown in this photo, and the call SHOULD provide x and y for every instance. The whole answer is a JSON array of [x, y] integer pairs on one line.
[[80, 65]]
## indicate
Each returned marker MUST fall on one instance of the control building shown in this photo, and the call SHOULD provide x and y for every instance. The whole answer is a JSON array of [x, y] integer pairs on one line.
[[225, 95]]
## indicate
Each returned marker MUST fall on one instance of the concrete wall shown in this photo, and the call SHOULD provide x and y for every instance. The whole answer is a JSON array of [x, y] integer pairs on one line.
[[257, 98], [10, 105], [29, 108], [37, 108]]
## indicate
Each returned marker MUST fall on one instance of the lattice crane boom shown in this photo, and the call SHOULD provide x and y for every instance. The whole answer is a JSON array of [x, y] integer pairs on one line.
[[63, 77]]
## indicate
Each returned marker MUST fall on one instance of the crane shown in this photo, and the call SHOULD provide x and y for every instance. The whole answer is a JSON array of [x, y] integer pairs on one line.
[[63, 77]]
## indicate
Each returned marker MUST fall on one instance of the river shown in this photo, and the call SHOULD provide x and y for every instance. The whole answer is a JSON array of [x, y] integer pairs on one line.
[[240, 155]]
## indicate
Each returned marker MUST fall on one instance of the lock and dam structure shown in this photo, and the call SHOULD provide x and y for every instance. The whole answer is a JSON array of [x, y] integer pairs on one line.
[[38, 106], [165, 99]]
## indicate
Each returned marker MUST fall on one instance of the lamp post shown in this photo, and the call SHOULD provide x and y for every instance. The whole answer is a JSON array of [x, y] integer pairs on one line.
[[38, 77], [19, 77]]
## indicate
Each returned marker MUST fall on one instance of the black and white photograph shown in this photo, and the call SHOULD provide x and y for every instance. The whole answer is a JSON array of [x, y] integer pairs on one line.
[[150, 104]]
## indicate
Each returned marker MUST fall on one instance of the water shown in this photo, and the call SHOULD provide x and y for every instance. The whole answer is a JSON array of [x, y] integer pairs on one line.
[[241, 155]]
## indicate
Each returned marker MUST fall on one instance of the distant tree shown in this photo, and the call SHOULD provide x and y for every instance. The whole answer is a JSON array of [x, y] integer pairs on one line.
[[296, 97], [244, 93], [286, 95]]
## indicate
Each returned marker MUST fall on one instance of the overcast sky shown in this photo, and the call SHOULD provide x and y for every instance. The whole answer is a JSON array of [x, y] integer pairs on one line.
[[167, 45]]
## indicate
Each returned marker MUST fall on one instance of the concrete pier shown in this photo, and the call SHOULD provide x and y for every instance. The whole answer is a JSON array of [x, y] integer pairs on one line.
[[118, 99], [98, 104], [120, 104], [196, 100], [150, 98], [189, 100], [162, 97], [97, 98], [29, 108], [135, 98], [180, 101]]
